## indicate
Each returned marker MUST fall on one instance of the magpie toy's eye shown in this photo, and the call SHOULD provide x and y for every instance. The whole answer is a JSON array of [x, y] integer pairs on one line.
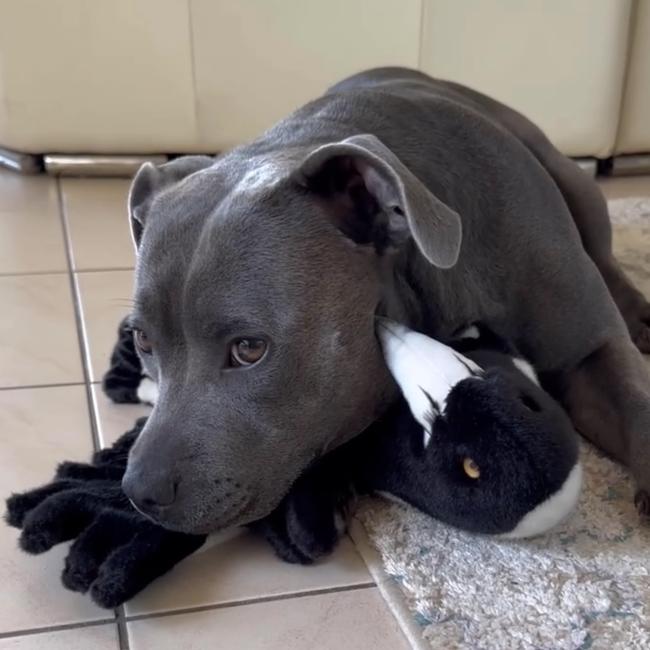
[[246, 352], [142, 341], [471, 468]]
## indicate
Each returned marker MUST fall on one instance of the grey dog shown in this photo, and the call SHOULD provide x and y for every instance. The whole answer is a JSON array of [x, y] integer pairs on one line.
[[260, 273]]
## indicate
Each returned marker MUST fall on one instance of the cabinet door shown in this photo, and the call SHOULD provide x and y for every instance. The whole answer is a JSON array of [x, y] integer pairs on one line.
[[256, 60], [104, 76], [560, 62], [634, 132]]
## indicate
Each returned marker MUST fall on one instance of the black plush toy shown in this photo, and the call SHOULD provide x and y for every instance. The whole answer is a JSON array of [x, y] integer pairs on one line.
[[491, 452], [477, 444], [124, 375]]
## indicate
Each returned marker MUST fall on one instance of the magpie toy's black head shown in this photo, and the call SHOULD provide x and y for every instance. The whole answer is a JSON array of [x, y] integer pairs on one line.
[[495, 455]]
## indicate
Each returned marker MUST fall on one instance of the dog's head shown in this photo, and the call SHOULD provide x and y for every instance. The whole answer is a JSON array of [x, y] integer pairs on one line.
[[256, 287]]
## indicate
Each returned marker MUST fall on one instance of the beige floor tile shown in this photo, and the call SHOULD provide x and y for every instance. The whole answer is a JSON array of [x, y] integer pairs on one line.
[[356, 620], [618, 188], [95, 637], [38, 339], [31, 236], [96, 210], [40, 427], [244, 568], [115, 419], [105, 300]]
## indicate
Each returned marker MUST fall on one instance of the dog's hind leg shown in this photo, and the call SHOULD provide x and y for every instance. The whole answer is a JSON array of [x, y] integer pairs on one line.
[[589, 363], [589, 210], [607, 396]]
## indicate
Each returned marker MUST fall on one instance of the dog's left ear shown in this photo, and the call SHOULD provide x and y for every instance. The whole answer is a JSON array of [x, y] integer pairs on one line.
[[150, 180], [375, 199]]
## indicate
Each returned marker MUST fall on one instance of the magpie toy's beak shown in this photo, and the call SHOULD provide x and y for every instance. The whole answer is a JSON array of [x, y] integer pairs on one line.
[[425, 369], [400, 347]]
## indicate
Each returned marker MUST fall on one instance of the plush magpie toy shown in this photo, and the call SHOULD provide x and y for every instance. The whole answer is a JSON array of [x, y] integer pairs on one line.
[[482, 446], [476, 443]]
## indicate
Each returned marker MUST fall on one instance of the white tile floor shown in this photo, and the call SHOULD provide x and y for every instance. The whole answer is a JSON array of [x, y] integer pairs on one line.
[[58, 324], [65, 281]]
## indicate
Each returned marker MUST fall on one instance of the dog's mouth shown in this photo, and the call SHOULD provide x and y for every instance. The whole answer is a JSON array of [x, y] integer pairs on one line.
[[202, 521], [143, 512]]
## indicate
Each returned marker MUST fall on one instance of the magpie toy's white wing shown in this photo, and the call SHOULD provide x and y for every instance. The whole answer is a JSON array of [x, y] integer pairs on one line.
[[420, 364]]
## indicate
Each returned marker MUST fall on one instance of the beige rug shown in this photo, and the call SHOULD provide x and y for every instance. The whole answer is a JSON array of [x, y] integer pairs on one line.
[[585, 585]]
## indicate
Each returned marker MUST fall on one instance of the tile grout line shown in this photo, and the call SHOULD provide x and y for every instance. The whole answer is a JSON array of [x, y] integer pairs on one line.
[[13, 274], [122, 620], [390, 592], [105, 269], [78, 315], [82, 338], [122, 630], [251, 601], [55, 628], [31, 386]]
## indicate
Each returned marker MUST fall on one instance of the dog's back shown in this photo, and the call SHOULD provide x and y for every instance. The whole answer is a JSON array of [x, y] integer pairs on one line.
[[474, 154]]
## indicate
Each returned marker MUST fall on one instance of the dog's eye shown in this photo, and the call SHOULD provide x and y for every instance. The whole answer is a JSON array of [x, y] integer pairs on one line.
[[142, 341], [246, 352], [471, 468]]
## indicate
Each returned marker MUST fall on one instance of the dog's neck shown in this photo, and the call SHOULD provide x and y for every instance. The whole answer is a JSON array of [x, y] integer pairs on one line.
[[412, 292]]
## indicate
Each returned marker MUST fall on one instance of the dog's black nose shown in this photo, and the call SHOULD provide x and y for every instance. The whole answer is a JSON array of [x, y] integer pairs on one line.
[[149, 493]]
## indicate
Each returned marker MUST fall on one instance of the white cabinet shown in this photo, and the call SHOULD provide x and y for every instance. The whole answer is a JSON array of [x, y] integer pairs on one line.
[[256, 60]]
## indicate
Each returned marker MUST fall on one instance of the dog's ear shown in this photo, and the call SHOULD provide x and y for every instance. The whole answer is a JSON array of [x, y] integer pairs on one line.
[[150, 180], [375, 199]]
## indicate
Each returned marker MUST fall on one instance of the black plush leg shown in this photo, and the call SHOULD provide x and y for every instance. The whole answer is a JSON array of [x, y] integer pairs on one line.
[[63, 516], [152, 552], [85, 472], [19, 505], [117, 454], [122, 379], [109, 531]]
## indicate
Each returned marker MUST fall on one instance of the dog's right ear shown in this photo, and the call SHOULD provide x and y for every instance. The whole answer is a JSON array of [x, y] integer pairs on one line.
[[150, 180]]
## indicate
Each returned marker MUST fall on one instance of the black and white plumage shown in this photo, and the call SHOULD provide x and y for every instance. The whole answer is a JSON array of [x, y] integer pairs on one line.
[[425, 369], [483, 446]]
